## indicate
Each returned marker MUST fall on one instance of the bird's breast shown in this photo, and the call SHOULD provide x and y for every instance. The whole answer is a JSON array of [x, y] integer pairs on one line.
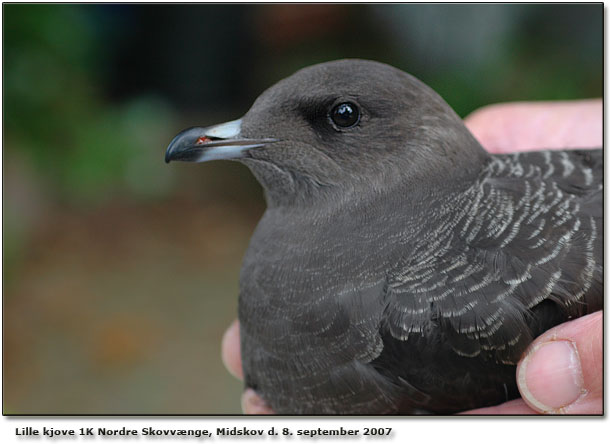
[[309, 312]]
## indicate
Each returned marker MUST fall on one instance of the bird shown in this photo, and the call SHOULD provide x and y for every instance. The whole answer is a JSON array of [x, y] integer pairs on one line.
[[399, 268]]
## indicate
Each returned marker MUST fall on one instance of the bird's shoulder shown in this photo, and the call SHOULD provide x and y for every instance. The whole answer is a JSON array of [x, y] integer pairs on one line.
[[519, 251], [578, 172]]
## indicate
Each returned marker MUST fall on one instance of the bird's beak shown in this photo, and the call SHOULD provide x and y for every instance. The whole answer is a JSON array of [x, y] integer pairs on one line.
[[215, 142]]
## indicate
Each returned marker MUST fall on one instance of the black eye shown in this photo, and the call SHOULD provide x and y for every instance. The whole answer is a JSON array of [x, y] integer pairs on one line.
[[345, 115]]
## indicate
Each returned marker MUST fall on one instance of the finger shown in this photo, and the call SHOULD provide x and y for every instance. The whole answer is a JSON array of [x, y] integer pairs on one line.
[[231, 350], [509, 127], [514, 407], [252, 404], [562, 369]]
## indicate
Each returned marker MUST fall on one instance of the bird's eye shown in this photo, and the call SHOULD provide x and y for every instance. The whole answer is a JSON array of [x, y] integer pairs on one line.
[[345, 115]]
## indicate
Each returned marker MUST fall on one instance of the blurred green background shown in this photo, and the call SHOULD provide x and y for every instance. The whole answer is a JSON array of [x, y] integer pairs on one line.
[[119, 271]]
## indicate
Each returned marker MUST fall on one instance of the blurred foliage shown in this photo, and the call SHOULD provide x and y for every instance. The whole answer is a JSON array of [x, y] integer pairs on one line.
[[56, 113], [119, 271]]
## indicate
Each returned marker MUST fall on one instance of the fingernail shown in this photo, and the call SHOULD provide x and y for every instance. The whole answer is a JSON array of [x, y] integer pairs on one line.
[[550, 377]]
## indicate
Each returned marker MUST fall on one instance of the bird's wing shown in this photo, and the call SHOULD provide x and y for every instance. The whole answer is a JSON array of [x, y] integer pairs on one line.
[[529, 231]]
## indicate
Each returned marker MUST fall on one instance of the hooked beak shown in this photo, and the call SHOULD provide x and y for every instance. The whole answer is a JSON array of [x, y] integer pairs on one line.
[[211, 143]]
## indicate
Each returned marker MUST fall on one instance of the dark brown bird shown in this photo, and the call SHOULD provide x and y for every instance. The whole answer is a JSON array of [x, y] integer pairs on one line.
[[399, 267]]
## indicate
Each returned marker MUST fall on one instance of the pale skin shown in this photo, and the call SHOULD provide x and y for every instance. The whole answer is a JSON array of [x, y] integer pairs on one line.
[[562, 370]]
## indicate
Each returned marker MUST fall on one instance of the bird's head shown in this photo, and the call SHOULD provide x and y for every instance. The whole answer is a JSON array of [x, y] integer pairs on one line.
[[340, 125]]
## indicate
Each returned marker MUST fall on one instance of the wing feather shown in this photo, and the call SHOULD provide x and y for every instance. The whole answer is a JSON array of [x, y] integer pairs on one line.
[[531, 232]]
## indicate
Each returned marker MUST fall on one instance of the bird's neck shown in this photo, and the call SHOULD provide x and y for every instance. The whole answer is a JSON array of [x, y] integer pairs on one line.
[[290, 192], [415, 207], [285, 189]]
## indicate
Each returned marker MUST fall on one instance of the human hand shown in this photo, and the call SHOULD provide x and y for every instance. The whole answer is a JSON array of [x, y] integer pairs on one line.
[[527, 126], [560, 373], [507, 128]]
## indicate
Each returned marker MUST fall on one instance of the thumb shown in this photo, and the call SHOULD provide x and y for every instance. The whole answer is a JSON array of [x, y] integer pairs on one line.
[[562, 371]]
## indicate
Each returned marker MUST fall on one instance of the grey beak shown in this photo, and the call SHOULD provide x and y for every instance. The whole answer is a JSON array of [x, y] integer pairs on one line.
[[211, 143]]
